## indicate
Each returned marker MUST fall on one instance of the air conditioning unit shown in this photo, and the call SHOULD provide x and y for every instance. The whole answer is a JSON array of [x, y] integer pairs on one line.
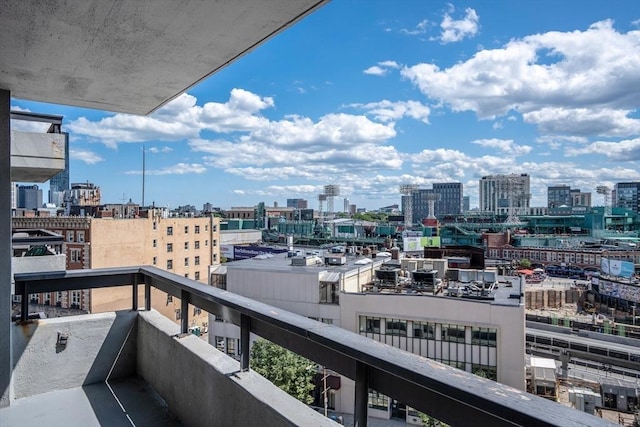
[[335, 260]]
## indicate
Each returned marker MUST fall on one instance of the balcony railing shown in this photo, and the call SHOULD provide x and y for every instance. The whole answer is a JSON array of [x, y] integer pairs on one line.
[[448, 394]]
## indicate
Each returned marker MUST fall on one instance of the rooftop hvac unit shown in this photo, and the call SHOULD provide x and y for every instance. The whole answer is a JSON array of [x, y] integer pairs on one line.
[[335, 260], [303, 261]]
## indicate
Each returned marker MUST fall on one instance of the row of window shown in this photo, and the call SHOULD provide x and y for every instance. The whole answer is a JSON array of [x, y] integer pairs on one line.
[[196, 229], [72, 235], [196, 261], [427, 330], [196, 244]]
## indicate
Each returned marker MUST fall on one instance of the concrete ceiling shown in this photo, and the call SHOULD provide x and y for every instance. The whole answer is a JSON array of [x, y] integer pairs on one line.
[[129, 55]]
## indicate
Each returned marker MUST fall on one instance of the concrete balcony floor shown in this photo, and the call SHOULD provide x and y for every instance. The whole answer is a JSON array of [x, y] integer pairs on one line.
[[126, 402]]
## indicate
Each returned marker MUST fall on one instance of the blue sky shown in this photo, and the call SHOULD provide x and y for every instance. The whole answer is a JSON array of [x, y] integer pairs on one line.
[[371, 95]]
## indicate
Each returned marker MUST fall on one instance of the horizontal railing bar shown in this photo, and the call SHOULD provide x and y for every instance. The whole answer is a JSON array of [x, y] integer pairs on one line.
[[446, 393]]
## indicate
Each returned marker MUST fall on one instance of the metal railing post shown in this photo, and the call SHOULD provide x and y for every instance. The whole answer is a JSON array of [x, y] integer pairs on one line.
[[147, 296], [184, 311], [134, 296], [24, 303], [361, 395], [245, 331]]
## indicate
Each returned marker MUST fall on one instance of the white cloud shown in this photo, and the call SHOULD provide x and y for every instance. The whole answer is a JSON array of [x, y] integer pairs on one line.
[[177, 169], [627, 150], [376, 71], [156, 150], [89, 157], [420, 28], [388, 111], [594, 72], [382, 68], [456, 30], [507, 146]]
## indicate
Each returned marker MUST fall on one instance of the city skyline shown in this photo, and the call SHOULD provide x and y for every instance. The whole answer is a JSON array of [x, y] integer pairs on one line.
[[373, 97]]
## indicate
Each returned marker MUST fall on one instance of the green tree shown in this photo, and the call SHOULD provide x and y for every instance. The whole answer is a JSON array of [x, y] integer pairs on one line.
[[287, 370], [525, 263]]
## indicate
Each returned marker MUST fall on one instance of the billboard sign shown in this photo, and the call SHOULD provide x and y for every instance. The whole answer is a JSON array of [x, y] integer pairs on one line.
[[616, 267], [251, 251]]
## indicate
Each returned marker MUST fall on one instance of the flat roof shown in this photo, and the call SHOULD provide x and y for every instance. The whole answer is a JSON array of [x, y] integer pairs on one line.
[[126, 55], [282, 263]]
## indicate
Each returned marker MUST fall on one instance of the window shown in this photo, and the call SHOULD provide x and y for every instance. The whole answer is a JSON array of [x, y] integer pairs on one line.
[[196, 229], [186, 246], [329, 292], [169, 264], [155, 260], [169, 247], [196, 260], [215, 257], [186, 262], [220, 343], [75, 299], [178, 314], [186, 275], [81, 236], [378, 400], [214, 243], [369, 324], [483, 336], [70, 236], [169, 231], [196, 244], [453, 333], [155, 225], [169, 299], [186, 229], [155, 243], [206, 243], [424, 330], [231, 346], [75, 255], [197, 311], [197, 275], [396, 327], [206, 227]]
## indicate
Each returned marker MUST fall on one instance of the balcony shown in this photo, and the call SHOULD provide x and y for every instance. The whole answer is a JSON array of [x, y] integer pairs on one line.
[[36, 157], [113, 364]]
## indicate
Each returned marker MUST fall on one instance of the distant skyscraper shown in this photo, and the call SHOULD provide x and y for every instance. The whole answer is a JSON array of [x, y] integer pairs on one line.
[[446, 198], [505, 194], [627, 195], [449, 198], [346, 205], [29, 197], [466, 203], [297, 203], [558, 195], [59, 183]]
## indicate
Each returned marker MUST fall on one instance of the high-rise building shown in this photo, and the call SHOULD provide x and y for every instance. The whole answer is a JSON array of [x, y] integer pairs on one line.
[[627, 195], [346, 204], [59, 183], [558, 195], [466, 203], [297, 203], [564, 195], [446, 199], [29, 197], [449, 199], [505, 194]]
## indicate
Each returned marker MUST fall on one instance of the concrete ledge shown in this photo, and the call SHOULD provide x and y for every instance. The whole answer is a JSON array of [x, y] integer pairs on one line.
[[99, 345], [203, 386]]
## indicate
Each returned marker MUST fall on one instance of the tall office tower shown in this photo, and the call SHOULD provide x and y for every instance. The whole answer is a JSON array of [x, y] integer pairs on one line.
[[449, 201], [345, 208], [558, 195], [466, 203], [578, 198], [59, 183], [14, 195], [297, 203], [627, 195], [29, 197], [421, 203], [505, 194]]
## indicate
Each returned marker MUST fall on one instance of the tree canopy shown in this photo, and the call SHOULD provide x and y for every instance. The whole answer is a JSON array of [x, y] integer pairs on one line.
[[287, 370]]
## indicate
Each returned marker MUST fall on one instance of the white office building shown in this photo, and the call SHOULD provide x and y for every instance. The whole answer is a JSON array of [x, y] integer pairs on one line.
[[484, 336]]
